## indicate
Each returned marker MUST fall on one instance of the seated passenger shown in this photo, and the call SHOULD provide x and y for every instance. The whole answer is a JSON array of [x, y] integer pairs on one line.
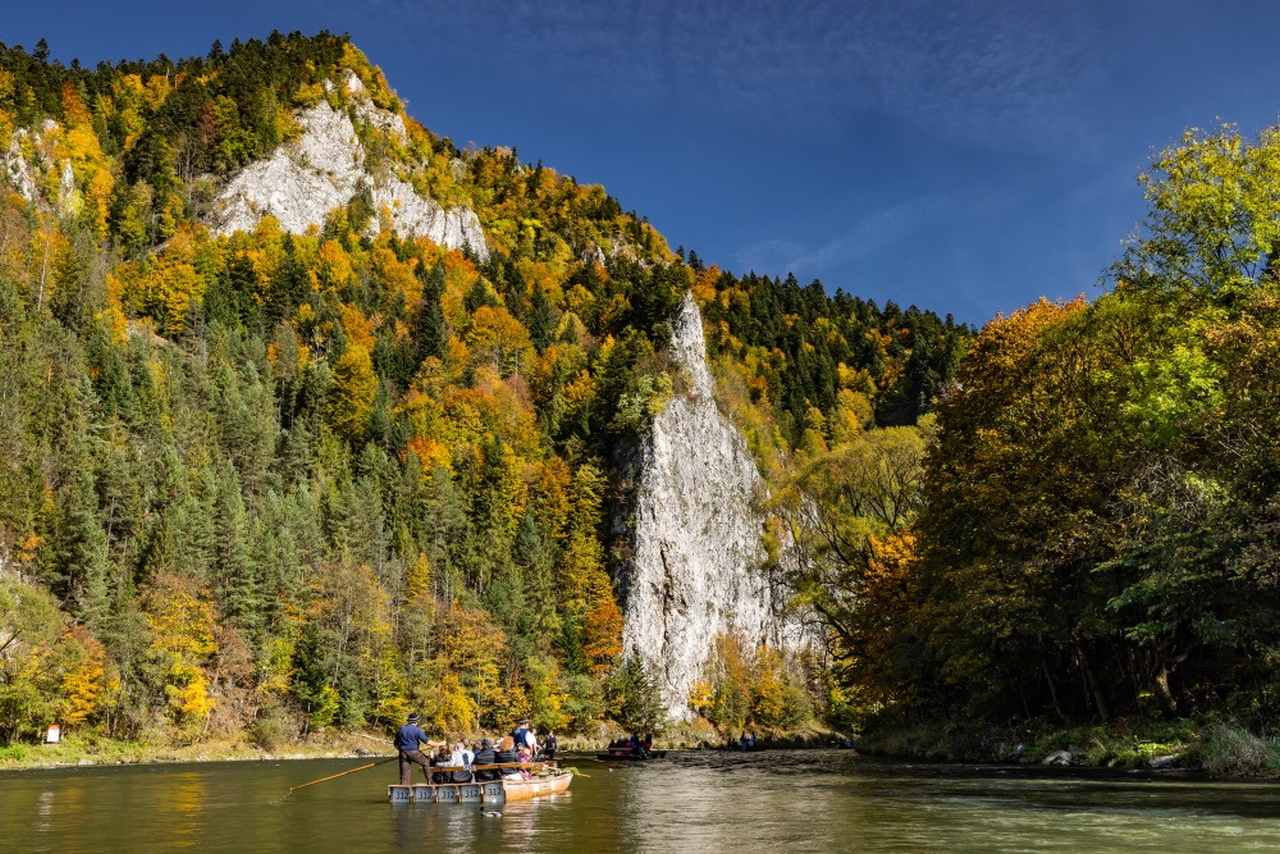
[[461, 755], [486, 756], [461, 758], [523, 755], [507, 750], [507, 753], [442, 759]]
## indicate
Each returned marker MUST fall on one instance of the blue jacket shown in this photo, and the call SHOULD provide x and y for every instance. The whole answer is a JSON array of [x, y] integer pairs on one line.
[[408, 736]]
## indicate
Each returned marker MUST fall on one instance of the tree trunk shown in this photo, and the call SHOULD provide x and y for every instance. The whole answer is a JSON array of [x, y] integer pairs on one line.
[[1162, 688], [1053, 690], [1099, 699]]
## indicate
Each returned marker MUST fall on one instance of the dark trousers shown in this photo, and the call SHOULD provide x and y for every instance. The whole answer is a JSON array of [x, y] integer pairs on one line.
[[409, 758]]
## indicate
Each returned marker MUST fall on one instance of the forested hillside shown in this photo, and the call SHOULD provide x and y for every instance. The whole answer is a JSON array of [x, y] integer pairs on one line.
[[1093, 535], [279, 482]]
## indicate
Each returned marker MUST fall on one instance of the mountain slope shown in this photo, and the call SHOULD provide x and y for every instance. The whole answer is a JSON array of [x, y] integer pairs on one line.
[[290, 444]]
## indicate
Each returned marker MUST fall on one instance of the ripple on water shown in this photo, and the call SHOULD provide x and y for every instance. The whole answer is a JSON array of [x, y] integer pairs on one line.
[[704, 802]]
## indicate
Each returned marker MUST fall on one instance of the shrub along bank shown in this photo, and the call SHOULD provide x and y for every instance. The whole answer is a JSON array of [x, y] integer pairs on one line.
[[1217, 748]]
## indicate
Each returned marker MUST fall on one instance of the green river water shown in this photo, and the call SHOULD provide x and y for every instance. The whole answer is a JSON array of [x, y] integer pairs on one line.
[[771, 801]]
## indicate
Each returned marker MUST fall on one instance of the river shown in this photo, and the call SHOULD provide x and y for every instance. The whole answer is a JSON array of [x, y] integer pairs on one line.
[[701, 802]]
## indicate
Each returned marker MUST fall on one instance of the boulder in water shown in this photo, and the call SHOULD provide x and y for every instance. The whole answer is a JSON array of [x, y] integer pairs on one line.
[[1058, 757]]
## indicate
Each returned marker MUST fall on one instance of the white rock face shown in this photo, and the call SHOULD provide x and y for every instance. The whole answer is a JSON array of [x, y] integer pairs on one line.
[[24, 174], [419, 215], [306, 178], [695, 571], [301, 182], [17, 169]]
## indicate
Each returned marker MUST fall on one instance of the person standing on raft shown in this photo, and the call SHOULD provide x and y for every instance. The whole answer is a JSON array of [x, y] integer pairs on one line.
[[408, 737]]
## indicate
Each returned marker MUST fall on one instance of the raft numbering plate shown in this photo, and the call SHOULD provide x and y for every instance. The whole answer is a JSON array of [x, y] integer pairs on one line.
[[447, 793]]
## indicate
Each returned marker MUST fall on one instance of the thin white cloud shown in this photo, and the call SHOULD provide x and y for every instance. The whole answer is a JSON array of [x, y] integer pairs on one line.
[[1003, 74], [871, 235]]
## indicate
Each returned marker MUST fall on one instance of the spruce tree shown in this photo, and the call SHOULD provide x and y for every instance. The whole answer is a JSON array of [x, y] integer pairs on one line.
[[76, 568], [636, 699], [289, 286], [430, 333], [541, 321], [234, 570], [478, 296]]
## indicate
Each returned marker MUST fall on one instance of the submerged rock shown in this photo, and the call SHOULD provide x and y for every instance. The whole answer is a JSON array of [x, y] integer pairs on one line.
[[695, 569]]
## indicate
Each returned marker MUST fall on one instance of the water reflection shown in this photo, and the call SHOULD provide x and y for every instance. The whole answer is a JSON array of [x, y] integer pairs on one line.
[[44, 811], [714, 803], [187, 795]]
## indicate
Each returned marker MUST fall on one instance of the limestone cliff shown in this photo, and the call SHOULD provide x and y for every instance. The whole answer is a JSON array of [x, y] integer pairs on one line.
[[325, 167], [299, 184], [30, 159], [695, 565]]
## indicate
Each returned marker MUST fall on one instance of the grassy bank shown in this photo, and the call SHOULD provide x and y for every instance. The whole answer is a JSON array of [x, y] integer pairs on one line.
[[699, 734], [80, 749], [84, 750], [1218, 748]]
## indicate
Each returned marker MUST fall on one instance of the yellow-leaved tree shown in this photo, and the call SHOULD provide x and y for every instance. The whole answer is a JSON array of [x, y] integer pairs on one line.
[[354, 388], [181, 620]]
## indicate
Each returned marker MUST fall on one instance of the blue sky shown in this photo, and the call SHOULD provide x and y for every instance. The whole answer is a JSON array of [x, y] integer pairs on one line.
[[964, 157]]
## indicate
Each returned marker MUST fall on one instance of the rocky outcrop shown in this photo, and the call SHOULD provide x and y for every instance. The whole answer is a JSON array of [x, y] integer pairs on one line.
[[17, 169], [418, 215], [306, 178], [302, 180], [299, 184], [24, 173], [696, 553]]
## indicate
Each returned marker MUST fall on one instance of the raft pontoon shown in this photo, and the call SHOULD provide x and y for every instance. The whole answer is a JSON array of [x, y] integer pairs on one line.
[[482, 791]]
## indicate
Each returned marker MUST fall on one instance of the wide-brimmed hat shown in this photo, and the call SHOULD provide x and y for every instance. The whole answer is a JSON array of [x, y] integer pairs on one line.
[[413, 717]]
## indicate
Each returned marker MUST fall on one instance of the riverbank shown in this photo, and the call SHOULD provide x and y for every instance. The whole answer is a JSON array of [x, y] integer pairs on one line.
[[699, 734], [1219, 749], [80, 751]]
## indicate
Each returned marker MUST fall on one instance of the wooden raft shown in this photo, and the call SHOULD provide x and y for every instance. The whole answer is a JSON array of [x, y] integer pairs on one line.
[[481, 791]]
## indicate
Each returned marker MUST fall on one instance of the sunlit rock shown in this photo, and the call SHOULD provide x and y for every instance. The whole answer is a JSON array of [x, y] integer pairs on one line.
[[306, 178], [695, 568]]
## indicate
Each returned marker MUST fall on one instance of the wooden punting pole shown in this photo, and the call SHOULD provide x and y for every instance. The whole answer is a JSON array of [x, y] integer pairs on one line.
[[293, 789]]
